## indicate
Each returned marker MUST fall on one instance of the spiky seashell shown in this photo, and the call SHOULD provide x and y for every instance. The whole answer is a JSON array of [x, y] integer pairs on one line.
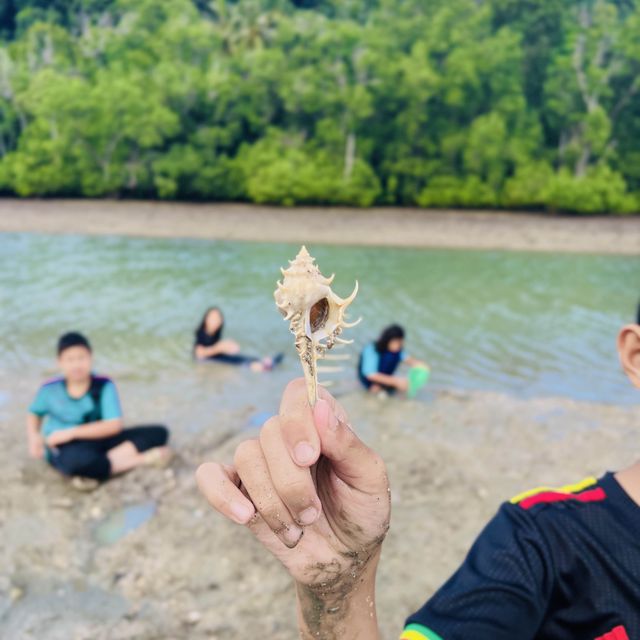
[[316, 314]]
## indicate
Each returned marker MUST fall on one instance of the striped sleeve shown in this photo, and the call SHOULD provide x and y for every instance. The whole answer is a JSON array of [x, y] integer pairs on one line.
[[584, 491], [419, 632]]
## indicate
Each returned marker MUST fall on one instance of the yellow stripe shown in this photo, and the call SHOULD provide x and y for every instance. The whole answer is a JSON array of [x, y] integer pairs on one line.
[[570, 488], [416, 631], [413, 635]]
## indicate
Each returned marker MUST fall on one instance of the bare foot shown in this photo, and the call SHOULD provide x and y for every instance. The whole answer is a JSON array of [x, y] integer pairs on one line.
[[158, 457], [268, 363], [84, 484]]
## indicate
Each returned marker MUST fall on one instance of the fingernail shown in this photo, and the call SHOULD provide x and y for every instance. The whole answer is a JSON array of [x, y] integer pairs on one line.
[[241, 512], [292, 535], [304, 453], [308, 516]]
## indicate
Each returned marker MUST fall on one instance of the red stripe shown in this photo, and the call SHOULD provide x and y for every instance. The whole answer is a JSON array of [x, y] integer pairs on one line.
[[593, 495], [619, 633]]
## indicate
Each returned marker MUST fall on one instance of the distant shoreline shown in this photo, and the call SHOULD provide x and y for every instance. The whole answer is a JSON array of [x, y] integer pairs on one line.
[[378, 226]]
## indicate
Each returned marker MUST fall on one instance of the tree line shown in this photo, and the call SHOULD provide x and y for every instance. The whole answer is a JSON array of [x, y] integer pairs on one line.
[[519, 104]]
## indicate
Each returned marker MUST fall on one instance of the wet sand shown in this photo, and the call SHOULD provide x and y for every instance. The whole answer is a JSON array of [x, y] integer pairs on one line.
[[186, 573], [377, 226]]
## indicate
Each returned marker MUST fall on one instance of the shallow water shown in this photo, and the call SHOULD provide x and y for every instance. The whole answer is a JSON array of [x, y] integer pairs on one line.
[[529, 324], [117, 524]]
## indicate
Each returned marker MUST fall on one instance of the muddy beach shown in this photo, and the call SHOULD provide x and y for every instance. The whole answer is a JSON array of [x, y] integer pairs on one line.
[[71, 569]]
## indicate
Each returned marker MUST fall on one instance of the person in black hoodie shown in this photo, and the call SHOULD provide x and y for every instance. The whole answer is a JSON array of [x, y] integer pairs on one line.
[[210, 345]]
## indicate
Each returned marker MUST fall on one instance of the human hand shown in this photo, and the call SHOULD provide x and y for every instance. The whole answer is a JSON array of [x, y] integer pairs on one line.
[[63, 436], [313, 494], [401, 384]]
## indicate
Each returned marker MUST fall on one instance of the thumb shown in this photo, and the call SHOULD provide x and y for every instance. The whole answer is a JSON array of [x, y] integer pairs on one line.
[[351, 459]]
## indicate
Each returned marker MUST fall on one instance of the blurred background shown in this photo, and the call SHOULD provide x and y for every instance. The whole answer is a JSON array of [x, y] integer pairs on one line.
[[489, 103]]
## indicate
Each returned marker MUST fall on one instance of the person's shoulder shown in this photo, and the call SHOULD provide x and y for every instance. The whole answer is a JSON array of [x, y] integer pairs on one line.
[[544, 514], [201, 337], [551, 500], [51, 383], [101, 378], [102, 381]]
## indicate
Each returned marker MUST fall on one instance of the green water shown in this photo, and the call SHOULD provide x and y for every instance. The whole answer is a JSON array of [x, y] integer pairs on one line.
[[522, 323]]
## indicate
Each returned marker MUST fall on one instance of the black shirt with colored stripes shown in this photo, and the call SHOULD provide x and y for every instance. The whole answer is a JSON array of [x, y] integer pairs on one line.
[[552, 565]]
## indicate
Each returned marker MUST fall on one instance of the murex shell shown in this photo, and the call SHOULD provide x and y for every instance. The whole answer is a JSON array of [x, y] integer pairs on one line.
[[316, 313]]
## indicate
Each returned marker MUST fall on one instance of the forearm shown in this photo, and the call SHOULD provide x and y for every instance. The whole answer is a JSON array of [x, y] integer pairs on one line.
[[98, 430], [414, 362], [207, 352], [384, 379], [34, 423], [346, 611]]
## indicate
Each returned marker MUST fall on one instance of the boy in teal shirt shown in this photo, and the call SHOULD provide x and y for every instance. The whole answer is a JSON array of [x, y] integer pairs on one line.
[[75, 421]]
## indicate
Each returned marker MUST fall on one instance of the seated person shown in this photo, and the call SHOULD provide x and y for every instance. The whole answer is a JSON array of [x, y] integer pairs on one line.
[[380, 359], [553, 564], [209, 345], [75, 421]]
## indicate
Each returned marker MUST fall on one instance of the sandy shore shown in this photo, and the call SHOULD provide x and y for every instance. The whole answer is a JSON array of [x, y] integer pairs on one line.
[[186, 573], [377, 226]]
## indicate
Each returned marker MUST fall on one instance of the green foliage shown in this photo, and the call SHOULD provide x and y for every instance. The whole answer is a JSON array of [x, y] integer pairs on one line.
[[504, 103], [601, 190], [283, 170]]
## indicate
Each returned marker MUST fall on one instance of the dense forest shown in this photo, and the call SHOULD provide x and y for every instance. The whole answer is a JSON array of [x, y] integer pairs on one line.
[[451, 103]]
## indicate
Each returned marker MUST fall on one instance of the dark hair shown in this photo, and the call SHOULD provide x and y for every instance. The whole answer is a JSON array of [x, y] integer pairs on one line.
[[202, 327], [72, 339], [638, 317], [392, 332]]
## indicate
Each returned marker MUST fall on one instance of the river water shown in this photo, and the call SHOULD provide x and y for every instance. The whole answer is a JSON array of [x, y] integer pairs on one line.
[[527, 324]]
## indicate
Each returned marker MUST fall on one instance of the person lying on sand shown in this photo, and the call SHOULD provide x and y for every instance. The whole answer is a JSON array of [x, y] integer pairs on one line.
[[75, 422], [553, 564], [209, 345], [379, 361]]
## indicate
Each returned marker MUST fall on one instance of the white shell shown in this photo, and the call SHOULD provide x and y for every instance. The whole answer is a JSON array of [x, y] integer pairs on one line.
[[316, 313]]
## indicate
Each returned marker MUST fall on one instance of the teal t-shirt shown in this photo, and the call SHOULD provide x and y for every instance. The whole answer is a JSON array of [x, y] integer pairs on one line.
[[370, 363], [61, 411]]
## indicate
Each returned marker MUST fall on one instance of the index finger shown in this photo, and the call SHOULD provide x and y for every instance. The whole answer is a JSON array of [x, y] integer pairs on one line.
[[297, 424]]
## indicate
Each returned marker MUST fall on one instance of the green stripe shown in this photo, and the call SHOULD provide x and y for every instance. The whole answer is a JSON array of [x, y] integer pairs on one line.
[[431, 635]]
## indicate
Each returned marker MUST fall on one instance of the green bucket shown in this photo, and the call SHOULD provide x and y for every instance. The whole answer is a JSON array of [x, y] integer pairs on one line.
[[418, 377]]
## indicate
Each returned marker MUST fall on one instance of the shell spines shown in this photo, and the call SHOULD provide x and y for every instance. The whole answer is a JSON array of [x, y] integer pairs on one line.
[[302, 287]]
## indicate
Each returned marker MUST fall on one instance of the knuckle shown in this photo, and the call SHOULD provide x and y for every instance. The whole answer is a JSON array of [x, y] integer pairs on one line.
[[378, 461], [270, 428], [246, 453], [296, 427], [296, 387], [207, 477], [294, 398], [204, 471], [275, 515], [296, 493]]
